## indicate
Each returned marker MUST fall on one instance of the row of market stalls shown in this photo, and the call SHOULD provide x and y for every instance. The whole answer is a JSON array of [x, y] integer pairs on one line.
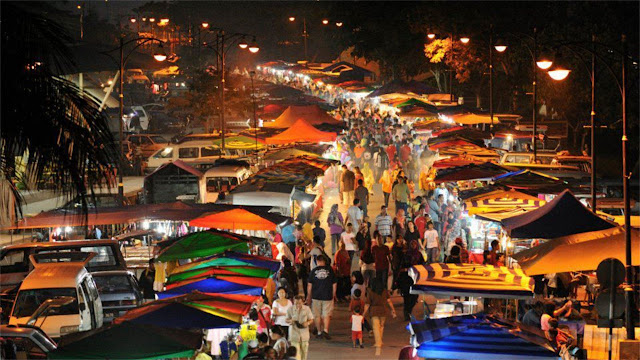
[[209, 283]]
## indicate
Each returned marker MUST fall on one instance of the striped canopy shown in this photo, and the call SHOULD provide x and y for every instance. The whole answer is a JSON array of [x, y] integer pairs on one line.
[[502, 200], [471, 280]]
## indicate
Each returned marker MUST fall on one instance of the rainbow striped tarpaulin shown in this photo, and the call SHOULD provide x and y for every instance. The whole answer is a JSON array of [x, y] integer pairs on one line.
[[471, 280]]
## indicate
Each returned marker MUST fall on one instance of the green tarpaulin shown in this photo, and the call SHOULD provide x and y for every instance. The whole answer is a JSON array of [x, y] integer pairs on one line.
[[247, 270], [203, 243]]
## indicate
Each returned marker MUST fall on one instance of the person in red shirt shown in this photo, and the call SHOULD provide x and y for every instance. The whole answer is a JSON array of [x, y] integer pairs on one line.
[[342, 268], [382, 254], [264, 314], [405, 153], [391, 151]]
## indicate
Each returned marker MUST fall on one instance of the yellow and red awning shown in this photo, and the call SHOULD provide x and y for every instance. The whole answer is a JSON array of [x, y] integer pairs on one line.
[[471, 280]]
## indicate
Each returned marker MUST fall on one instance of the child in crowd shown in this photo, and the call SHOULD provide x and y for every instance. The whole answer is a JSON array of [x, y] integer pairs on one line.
[[264, 314], [356, 326], [281, 344]]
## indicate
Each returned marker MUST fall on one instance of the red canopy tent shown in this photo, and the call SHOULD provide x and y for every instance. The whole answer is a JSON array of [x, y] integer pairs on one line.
[[239, 218], [301, 131], [312, 114]]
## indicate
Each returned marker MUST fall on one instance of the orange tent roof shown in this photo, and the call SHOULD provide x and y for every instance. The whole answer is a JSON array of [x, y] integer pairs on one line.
[[312, 114], [234, 219], [301, 131]]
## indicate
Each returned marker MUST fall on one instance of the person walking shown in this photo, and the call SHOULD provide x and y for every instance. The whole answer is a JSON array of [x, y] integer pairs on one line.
[[335, 220], [431, 244], [387, 185], [362, 195], [279, 309], [299, 318], [412, 257], [401, 194], [382, 255], [383, 222], [347, 185], [321, 288], [376, 305], [319, 232], [342, 268], [354, 215], [367, 260], [348, 238]]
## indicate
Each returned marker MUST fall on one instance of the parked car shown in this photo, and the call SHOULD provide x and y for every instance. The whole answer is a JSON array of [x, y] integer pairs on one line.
[[72, 280], [221, 178], [200, 154], [148, 143], [119, 292], [15, 265], [24, 342]]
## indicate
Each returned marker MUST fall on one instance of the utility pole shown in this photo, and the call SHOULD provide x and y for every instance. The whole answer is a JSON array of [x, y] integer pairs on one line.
[[535, 80]]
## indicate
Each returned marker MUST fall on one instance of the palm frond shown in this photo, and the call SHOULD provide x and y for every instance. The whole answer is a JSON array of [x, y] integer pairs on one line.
[[57, 131]]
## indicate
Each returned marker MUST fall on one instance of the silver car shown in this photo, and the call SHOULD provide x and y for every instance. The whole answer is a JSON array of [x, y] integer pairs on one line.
[[119, 292]]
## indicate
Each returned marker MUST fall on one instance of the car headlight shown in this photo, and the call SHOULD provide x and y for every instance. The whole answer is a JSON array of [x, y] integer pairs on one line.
[[69, 329]]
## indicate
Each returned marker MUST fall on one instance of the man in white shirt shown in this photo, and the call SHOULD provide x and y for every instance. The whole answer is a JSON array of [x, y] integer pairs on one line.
[[431, 244], [349, 239], [354, 215]]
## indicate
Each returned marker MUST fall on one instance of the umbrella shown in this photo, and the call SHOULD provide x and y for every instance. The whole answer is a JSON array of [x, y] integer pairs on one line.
[[203, 243], [243, 218], [128, 341], [559, 254], [195, 310], [471, 280], [246, 286], [301, 131]]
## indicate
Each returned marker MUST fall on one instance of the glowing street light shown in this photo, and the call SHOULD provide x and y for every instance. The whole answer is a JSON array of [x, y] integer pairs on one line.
[[205, 25], [431, 36], [243, 44], [339, 24], [133, 20], [325, 21], [292, 18], [464, 40], [160, 55], [152, 19], [254, 48]]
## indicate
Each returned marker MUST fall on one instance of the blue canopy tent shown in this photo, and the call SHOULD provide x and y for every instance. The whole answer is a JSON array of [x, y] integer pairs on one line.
[[257, 261], [212, 285], [478, 338], [564, 215]]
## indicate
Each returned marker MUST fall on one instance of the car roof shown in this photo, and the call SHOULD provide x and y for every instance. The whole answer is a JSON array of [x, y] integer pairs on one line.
[[111, 273], [54, 275], [225, 170], [61, 244]]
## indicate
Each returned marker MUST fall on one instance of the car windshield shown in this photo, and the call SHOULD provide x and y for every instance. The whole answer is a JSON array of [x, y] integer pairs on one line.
[[165, 153], [159, 139], [104, 256], [217, 184], [108, 284], [28, 301]]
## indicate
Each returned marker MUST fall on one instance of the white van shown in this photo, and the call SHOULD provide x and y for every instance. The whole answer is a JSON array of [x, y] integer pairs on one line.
[[59, 275], [200, 154], [221, 178]]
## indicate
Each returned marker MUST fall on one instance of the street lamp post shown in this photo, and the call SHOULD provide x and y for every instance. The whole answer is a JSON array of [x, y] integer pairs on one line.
[[630, 298], [252, 74], [159, 56], [221, 50]]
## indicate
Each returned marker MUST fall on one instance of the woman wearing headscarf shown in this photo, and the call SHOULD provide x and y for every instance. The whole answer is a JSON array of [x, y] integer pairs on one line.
[[368, 176], [399, 224]]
